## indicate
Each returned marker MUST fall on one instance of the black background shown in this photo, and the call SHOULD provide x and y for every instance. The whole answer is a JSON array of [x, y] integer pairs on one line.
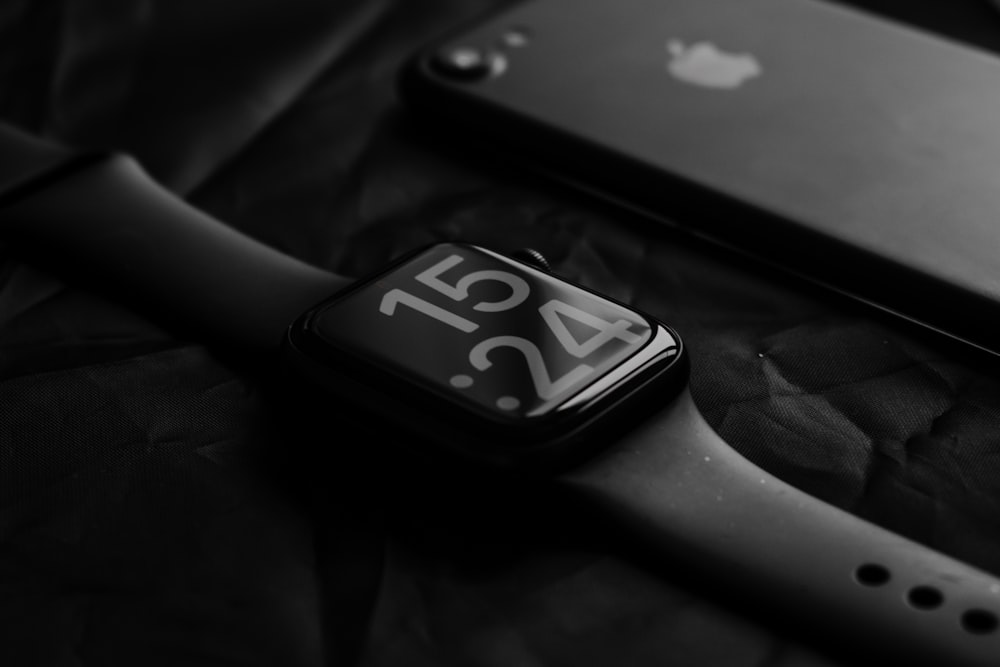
[[155, 507]]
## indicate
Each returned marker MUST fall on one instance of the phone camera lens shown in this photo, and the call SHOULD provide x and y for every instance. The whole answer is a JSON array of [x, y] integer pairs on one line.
[[464, 63]]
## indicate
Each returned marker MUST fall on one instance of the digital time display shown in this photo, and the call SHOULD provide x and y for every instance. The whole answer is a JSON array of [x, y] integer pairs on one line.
[[511, 340]]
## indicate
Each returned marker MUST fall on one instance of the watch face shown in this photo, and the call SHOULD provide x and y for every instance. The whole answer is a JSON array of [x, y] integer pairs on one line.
[[458, 333]]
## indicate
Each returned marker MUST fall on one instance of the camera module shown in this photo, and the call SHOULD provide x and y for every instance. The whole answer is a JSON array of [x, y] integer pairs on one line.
[[466, 63]]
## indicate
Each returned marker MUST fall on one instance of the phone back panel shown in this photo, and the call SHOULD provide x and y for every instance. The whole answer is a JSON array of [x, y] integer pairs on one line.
[[838, 144]]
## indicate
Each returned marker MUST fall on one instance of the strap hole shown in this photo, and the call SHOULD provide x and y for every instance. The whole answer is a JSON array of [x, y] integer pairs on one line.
[[979, 621], [872, 574], [925, 597]]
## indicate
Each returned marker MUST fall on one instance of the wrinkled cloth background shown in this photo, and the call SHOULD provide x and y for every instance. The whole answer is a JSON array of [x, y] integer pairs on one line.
[[156, 509]]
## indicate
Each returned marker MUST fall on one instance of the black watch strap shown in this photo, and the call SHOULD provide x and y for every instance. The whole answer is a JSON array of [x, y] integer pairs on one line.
[[102, 219], [683, 489]]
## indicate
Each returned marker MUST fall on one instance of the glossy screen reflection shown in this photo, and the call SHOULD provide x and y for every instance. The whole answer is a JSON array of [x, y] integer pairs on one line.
[[489, 332]]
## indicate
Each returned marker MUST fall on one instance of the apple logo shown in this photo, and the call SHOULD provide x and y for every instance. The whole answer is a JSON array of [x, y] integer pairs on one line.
[[704, 64]]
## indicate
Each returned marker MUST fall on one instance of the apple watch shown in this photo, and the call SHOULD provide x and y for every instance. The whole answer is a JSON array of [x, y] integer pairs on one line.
[[498, 363], [488, 358]]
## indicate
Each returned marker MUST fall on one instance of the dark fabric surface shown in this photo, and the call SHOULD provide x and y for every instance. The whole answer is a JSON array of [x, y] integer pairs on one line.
[[156, 507]]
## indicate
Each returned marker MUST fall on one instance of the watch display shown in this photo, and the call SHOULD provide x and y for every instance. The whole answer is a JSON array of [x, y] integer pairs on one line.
[[488, 343]]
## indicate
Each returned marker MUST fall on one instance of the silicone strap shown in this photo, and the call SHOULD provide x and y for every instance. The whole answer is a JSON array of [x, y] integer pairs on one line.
[[113, 224], [683, 489]]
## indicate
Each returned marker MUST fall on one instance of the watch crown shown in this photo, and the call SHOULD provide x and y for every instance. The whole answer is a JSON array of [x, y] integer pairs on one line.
[[533, 257]]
